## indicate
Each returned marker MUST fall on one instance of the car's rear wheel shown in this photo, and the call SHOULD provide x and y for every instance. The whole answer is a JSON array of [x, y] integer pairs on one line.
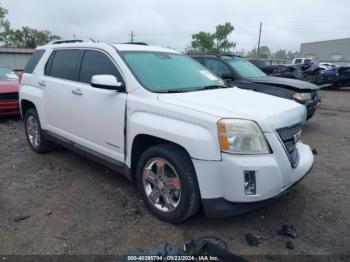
[[167, 181], [34, 133]]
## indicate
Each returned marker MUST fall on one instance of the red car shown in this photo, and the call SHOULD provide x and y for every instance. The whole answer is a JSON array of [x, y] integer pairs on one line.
[[9, 84]]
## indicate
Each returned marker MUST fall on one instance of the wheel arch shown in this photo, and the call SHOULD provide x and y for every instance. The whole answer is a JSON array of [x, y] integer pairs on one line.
[[25, 106], [141, 143]]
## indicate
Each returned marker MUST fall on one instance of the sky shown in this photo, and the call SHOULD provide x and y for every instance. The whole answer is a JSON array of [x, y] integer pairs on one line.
[[170, 23]]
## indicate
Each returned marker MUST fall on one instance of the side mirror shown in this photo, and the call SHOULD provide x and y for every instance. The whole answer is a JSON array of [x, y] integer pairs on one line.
[[107, 82], [228, 77]]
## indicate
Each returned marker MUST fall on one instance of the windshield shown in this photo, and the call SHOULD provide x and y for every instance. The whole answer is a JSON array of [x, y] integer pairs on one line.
[[245, 68], [166, 72], [7, 74]]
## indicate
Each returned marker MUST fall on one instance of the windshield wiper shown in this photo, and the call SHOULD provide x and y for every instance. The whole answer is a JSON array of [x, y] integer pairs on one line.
[[184, 90], [213, 87]]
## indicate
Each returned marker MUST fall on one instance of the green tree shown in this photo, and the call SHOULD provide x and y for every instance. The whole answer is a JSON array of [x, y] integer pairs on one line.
[[222, 43], [280, 54], [264, 52], [25, 37], [252, 53], [213, 43], [5, 28], [33, 37], [203, 42]]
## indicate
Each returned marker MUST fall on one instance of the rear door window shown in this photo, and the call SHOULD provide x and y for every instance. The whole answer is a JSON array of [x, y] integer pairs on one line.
[[33, 61], [65, 64], [97, 63]]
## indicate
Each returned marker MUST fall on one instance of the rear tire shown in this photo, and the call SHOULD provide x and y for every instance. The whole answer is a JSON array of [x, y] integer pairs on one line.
[[34, 133], [167, 181]]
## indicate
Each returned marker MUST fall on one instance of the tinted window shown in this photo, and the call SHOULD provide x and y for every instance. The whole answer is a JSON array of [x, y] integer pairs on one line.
[[217, 67], [298, 61], [33, 61], [64, 64], [97, 63], [49, 63]]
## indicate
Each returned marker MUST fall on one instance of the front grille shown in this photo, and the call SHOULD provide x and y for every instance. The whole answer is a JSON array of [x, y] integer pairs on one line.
[[290, 137], [9, 96]]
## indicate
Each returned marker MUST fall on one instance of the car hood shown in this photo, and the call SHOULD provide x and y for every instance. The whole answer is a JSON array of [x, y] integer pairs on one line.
[[264, 88], [268, 111], [294, 84], [8, 86]]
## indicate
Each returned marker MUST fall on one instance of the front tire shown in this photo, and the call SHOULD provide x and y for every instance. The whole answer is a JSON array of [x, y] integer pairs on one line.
[[34, 133], [167, 181]]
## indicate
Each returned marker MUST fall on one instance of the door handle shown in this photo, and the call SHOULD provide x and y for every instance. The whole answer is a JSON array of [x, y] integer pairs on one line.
[[42, 83], [77, 92]]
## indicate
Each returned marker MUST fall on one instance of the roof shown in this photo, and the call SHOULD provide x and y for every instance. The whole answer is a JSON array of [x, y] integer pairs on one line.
[[119, 47], [131, 47]]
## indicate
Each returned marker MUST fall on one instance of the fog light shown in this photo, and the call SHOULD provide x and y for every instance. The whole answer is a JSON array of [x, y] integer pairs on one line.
[[249, 182]]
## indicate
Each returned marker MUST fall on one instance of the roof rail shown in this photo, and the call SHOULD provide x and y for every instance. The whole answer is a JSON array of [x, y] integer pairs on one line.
[[135, 43], [69, 41]]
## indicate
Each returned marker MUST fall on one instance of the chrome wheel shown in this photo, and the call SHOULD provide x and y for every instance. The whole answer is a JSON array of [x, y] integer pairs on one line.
[[162, 184], [33, 131]]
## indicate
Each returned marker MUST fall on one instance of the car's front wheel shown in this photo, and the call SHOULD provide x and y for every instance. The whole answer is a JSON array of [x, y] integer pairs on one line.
[[167, 181], [34, 133]]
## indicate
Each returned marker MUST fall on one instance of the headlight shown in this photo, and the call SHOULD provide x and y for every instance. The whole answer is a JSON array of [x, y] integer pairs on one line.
[[242, 137], [302, 96]]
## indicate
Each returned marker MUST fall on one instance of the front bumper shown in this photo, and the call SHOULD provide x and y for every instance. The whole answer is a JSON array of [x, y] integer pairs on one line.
[[312, 105], [9, 107], [224, 180], [220, 207]]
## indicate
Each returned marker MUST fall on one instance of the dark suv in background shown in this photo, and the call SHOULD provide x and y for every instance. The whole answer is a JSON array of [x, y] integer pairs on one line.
[[243, 74]]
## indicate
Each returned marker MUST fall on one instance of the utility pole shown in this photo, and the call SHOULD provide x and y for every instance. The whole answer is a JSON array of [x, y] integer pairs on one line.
[[258, 50], [132, 35]]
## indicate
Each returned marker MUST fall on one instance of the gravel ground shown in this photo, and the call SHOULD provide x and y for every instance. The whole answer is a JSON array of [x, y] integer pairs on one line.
[[79, 207]]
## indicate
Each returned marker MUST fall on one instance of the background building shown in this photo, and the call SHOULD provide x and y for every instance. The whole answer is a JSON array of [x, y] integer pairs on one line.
[[14, 58], [337, 51]]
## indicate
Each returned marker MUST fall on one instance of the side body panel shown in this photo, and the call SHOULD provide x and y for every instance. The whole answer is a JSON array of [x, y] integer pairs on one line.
[[194, 131]]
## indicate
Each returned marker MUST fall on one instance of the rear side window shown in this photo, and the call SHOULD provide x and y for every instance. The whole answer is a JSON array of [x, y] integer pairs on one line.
[[64, 63], [96, 63], [33, 61], [298, 61]]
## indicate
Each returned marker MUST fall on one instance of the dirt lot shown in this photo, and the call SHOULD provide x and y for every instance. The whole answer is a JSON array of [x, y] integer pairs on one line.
[[79, 207]]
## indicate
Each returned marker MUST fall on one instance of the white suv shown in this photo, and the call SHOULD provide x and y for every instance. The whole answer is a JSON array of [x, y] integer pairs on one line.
[[167, 123]]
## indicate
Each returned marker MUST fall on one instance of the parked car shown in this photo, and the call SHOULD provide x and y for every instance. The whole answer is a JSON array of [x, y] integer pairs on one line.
[[166, 122], [235, 70], [304, 60], [9, 83], [343, 74]]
